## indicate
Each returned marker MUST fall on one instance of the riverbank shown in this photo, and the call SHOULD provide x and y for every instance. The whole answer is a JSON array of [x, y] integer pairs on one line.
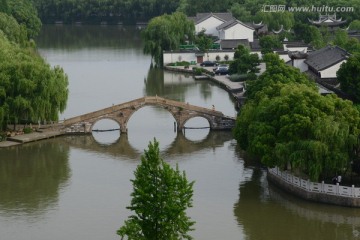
[[30, 137], [236, 89], [348, 196]]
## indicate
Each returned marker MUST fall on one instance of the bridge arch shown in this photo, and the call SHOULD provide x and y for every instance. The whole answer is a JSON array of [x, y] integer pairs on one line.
[[206, 117], [106, 118], [121, 113], [147, 104]]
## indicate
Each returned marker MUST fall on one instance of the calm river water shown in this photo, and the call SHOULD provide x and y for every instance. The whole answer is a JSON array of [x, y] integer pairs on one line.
[[78, 187]]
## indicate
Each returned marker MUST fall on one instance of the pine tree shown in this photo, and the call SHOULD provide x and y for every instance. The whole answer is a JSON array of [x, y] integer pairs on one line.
[[160, 198]]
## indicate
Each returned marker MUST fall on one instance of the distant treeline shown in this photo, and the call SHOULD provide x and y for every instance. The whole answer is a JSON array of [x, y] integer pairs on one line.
[[132, 11]]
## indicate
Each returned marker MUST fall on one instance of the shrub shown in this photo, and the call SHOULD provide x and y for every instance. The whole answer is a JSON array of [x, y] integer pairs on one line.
[[28, 130], [238, 77], [197, 71]]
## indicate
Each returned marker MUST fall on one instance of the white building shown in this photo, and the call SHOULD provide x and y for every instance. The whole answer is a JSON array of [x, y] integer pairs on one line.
[[235, 29], [325, 62], [209, 22]]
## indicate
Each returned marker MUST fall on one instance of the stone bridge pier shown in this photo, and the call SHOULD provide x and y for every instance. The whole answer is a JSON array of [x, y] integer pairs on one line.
[[182, 112]]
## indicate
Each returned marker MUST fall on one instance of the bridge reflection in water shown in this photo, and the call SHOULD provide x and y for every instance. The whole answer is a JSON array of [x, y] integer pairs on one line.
[[123, 148]]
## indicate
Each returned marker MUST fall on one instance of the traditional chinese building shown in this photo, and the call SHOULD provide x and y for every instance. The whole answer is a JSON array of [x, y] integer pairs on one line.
[[329, 21]]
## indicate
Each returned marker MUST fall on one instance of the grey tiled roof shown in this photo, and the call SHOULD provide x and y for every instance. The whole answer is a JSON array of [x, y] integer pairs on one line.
[[326, 57], [200, 17], [233, 43], [232, 23]]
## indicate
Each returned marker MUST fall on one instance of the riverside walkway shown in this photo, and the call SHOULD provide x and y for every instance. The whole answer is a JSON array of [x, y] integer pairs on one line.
[[236, 89]]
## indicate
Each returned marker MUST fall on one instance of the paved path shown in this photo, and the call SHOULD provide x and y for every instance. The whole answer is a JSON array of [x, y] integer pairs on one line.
[[31, 137]]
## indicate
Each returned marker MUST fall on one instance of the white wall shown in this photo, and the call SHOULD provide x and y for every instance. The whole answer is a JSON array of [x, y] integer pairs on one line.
[[171, 57], [294, 49], [212, 55], [209, 25], [300, 64], [284, 57], [237, 31], [331, 71]]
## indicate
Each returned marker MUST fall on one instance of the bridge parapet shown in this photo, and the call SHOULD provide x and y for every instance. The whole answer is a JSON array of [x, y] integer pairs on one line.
[[121, 113]]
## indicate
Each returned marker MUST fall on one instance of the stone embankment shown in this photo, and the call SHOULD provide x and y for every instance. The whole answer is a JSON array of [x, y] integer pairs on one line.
[[335, 194], [30, 137], [236, 89]]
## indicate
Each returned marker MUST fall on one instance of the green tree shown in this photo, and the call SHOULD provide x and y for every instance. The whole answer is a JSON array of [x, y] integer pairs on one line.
[[276, 72], [167, 32], [349, 78], [25, 14], [269, 43], [310, 34], [12, 30], [30, 90], [203, 42], [160, 198], [293, 125], [245, 63], [4, 6], [341, 38], [240, 12], [275, 20], [354, 25]]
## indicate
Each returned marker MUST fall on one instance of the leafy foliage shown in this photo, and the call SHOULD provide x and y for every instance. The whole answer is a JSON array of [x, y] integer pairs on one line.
[[166, 32], [12, 30], [29, 89], [160, 198], [276, 72], [349, 78], [4, 6], [354, 25], [287, 122], [203, 42], [269, 43], [25, 14], [244, 62]]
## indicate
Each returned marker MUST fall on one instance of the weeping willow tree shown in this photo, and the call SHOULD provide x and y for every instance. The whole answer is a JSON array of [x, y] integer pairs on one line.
[[298, 127], [30, 90], [167, 32], [286, 122]]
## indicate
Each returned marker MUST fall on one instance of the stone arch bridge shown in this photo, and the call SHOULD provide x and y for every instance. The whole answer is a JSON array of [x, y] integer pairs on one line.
[[121, 114]]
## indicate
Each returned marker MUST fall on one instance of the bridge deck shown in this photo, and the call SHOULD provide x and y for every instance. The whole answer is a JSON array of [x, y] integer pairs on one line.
[[150, 100]]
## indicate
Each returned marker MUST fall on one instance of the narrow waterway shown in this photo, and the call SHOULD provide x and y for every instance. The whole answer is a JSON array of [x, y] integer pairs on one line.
[[78, 187]]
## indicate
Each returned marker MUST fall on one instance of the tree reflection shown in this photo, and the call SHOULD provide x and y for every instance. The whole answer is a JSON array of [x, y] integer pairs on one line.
[[32, 175], [88, 36], [265, 213]]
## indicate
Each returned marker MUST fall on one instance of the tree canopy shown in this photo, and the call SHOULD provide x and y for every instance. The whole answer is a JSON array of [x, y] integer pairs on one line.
[[29, 89], [12, 30], [203, 42], [269, 43], [276, 71], [25, 14], [160, 198], [349, 78], [244, 62], [285, 121], [296, 126], [167, 32]]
